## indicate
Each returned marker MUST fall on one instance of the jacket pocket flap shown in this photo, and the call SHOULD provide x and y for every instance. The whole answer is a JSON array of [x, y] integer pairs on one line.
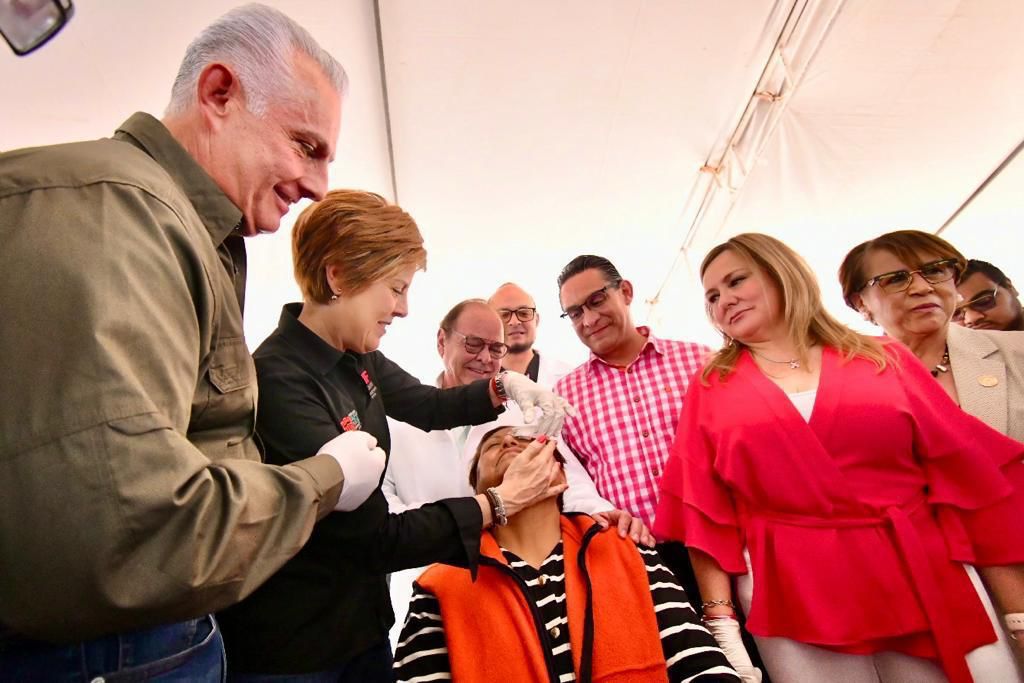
[[231, 368]]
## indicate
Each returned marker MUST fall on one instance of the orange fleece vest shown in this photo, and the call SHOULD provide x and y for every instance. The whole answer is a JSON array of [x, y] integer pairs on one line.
[[492, 634]]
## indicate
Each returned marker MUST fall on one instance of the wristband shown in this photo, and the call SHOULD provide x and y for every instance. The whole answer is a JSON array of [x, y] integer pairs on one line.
[[497, 507], [1014, 623], [499, 386], [716, 617]]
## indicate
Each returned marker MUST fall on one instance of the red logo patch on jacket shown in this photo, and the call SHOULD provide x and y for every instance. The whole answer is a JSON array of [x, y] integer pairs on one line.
[[370, 386], [351, 422]]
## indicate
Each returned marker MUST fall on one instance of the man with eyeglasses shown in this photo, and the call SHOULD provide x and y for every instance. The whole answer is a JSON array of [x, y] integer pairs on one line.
[[990, 301], [628, 394], [428, 466], [518, 311]]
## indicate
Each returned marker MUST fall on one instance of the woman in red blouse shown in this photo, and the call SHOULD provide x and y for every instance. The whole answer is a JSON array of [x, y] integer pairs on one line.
[[832, 474]]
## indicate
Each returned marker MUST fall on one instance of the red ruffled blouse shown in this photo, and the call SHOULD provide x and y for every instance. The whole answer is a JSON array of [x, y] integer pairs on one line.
[[858, 521]]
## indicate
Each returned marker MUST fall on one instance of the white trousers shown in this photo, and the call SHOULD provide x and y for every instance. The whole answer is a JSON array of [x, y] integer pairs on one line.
[[790, 661]]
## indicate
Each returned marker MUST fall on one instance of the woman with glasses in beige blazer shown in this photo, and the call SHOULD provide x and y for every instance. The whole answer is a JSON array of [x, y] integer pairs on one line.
[[905, 282]]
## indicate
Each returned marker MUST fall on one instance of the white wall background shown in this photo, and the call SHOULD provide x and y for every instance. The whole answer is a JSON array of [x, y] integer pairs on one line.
[[526, 133]]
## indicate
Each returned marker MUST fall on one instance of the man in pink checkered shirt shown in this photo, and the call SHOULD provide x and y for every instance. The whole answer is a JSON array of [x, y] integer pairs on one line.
[[629, 394]]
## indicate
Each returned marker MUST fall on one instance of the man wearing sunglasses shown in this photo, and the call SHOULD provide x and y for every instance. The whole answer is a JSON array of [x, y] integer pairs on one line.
[[518, 311], [990, 301]]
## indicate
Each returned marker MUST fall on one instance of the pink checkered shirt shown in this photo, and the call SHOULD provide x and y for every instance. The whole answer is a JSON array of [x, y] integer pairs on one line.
[[627, 419]]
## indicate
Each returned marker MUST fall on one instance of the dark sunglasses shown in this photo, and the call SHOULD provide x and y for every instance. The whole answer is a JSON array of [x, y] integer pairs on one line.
[[475, 345], [899, 280], [593, 302], [984, 301], [524, 313]]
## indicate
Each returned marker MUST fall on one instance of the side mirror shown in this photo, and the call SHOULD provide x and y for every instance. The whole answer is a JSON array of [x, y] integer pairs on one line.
[[28, 24]]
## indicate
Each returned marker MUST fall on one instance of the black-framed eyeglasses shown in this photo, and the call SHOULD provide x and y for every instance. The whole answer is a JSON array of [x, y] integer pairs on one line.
[[899, 280], [594, 301], [27, 25], [524, 313], [475, 345], [983, 301]]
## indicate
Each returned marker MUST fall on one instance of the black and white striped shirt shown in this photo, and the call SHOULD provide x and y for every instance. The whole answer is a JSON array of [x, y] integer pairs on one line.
[[690, 650]]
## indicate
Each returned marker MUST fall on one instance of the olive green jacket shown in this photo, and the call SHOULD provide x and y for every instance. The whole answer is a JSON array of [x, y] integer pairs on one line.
[[131, 488]]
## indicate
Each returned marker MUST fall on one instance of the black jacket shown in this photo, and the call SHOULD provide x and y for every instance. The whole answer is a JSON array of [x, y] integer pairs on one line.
[[331, 601]]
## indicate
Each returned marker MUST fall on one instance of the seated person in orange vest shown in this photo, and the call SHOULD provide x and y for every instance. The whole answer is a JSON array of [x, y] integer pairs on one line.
[[554, 599]]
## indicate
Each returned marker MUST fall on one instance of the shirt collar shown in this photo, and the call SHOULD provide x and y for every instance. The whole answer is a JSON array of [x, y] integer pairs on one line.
[[653, 343], [218, 213], [320, 355]]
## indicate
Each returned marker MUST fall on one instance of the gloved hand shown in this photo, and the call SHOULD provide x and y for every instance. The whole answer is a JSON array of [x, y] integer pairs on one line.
[[362, 464], [532, 397], [727, 633]]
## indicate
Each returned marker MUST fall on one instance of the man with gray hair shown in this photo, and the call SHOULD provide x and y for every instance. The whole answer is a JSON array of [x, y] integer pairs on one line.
[[133, 502]]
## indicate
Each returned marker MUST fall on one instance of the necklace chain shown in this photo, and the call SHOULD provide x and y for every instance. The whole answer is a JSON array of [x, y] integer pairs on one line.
[[942, 365], [793, 363]]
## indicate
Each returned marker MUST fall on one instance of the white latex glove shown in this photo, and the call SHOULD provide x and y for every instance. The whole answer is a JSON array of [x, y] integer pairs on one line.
[[532, 397], [727, 634], [361, 462]]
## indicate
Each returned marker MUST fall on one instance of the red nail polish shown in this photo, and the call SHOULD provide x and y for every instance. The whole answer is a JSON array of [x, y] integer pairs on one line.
[[543, 438]]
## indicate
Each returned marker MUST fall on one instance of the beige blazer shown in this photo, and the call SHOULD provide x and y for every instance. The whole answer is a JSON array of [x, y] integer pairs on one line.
[[988, 370]]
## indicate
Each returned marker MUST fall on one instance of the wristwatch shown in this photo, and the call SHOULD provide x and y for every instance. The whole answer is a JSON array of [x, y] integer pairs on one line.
[[498, 382], [497, 507]]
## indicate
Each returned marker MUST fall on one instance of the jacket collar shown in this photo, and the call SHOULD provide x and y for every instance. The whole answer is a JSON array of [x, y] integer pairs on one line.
[[218, 213], [577, 529], [318, 354]]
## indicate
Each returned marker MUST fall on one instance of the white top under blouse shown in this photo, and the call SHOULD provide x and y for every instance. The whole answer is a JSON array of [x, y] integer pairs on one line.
[[804, 402]]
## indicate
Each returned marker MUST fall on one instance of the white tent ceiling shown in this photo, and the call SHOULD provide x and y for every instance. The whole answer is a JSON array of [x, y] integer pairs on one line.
[[520, 135]]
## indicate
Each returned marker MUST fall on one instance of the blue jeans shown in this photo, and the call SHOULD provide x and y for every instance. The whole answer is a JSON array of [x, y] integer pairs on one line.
[[187, 651], [370, 666]]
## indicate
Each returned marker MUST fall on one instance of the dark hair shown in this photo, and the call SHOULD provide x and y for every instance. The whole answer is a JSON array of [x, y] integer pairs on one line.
[[987, 269], [586, 262], [912, 247], [448, 321]]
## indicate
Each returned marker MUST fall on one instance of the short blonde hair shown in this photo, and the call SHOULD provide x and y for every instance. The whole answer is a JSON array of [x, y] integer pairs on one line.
[[363, 234], [807, 321]]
